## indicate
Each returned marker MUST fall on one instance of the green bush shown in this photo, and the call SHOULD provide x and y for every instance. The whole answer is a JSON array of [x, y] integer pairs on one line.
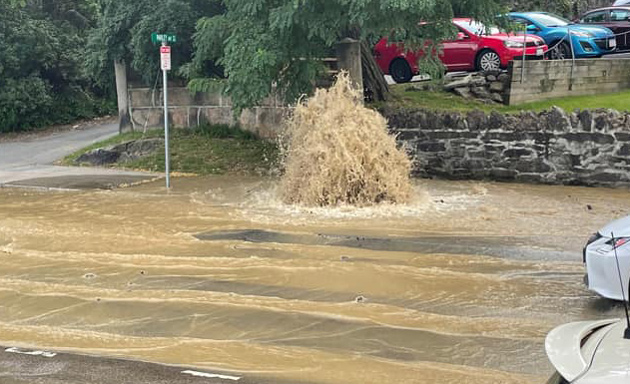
[[41, 77]]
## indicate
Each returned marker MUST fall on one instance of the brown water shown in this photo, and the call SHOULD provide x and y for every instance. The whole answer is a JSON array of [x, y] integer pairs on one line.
[[459, 286], [339, 151]]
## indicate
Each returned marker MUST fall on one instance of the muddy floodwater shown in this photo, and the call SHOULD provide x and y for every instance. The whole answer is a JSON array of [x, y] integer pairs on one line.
[[459, 286]]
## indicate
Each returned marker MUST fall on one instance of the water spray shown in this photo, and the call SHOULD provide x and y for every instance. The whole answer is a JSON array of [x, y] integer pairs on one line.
[[340, 152]]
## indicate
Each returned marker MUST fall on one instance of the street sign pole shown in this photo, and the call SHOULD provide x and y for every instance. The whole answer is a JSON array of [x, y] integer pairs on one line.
[[165, 56]]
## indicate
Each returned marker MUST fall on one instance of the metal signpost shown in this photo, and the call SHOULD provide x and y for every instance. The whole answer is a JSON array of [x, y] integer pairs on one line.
[[165, 64]]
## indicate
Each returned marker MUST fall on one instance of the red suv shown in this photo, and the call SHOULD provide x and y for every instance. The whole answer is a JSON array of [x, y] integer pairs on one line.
[[477, 48]]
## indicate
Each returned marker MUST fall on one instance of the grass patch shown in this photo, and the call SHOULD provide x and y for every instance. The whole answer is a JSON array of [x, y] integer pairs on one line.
[[208, 149], [440, 100]]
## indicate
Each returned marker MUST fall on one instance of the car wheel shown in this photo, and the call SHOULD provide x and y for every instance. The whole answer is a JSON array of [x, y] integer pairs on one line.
[[562, 51], [400, 71], [488, 61]]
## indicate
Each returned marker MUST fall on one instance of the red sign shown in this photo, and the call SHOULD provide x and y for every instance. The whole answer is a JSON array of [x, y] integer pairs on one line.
[[165, 57]]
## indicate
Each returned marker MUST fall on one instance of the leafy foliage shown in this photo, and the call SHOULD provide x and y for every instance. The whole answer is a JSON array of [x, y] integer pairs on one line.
[[40, 76], [267, 43], [123, 32]]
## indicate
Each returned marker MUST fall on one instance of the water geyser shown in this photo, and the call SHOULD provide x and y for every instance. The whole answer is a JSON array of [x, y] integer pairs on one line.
[[340, 152]]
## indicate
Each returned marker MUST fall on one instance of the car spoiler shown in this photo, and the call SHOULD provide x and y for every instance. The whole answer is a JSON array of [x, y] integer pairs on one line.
[[564, 346]]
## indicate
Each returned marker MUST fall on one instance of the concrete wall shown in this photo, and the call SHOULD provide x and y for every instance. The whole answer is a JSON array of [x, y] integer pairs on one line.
[[548, 79], [188, 110], [553, 147]]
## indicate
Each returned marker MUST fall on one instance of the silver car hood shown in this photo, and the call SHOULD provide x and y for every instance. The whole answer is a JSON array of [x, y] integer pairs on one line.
[[611, 363], [570, 352], [620, 227]]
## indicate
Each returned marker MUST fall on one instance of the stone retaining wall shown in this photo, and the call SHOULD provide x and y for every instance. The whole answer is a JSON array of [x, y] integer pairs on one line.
[[189, 110], [489, 87], [554, 147]]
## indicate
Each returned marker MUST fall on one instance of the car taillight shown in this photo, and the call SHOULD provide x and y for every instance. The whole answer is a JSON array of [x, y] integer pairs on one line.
[[618, 241]]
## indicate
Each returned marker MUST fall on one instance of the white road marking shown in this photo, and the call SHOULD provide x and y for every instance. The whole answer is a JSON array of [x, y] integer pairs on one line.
[[210, 375], [32, 353]]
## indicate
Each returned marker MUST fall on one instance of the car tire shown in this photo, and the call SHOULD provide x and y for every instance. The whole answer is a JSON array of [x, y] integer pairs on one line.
[[488, 60], [562, 51], [400, 71]]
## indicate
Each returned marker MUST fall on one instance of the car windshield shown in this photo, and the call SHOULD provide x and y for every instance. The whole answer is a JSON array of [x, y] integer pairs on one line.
[[477, 28], [549, 20]]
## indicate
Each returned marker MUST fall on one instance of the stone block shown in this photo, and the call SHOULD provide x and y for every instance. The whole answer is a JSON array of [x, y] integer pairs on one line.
[[494, 148], [476, 120], [434, 146], [179, 117], [622, 136], [497, 97], [463, 82], [497, 86], [270, 122], [497, 120], [608, 177], [150, 117], [461, 173], [533, 178], [517, 152], [481, 92], [624, 150], [211, 99], [141, 98], [406, 134], [502, 174], [504, 78], [507, 137], [532, 166], [585, 137], [177, 97], [603, 123], [444, 135], [248, 120], [558, 120], [463, 92], [217, 115]]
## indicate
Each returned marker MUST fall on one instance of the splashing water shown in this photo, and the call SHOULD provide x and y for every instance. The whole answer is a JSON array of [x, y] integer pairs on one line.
[[339, 152]]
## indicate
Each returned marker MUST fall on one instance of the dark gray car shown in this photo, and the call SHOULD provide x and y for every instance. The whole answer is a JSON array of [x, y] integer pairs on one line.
[[617, 19]]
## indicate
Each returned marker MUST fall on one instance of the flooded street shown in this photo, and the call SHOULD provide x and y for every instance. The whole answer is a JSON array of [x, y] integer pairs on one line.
[[460, 286]]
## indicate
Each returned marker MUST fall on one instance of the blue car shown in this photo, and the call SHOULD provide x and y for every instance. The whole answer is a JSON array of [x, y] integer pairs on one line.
[[588, 41]]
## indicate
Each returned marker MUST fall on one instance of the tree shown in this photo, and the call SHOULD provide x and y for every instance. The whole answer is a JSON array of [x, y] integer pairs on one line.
[[122, 38], [41, 81], [278, 43]]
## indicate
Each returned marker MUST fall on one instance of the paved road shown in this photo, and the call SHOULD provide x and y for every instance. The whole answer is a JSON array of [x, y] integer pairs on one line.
[[29, 162], [24, 366]]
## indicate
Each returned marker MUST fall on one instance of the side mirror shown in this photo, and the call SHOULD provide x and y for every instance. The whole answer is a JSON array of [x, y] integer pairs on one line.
[[531, 28], [461, 36]]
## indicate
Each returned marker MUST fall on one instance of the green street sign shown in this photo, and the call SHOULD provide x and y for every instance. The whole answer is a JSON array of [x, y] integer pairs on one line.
[[163, 38]]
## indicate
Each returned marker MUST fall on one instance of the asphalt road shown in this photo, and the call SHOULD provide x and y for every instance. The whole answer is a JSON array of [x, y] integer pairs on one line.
[[29, 162], [24, 366]]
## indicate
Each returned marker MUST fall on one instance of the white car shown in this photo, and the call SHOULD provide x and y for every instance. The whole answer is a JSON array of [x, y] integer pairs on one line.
[[602, 274], [619, 3], [589, 352]]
